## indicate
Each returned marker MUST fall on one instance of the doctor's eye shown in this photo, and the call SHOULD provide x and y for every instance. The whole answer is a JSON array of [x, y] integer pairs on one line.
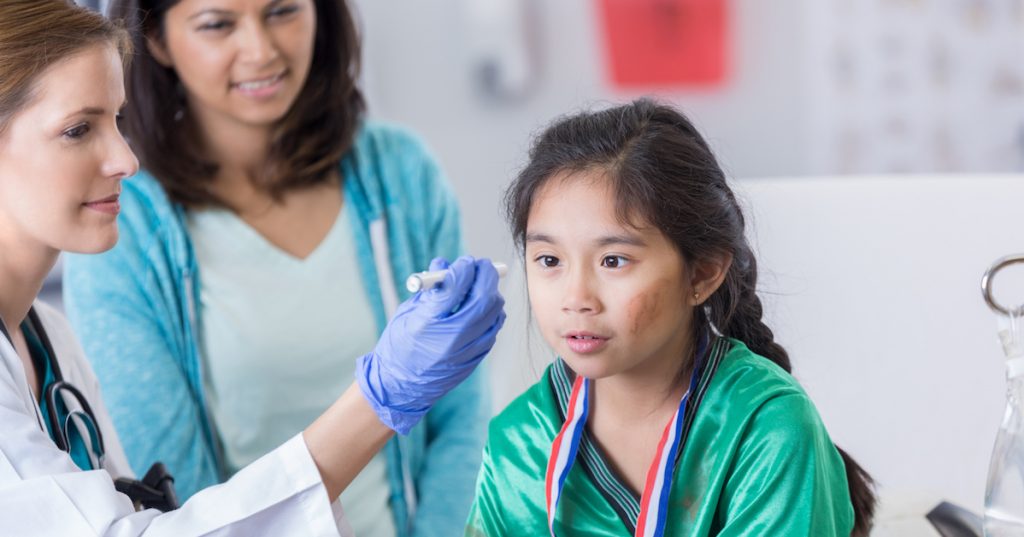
[[77, 132], [547, 261], [614, 261]]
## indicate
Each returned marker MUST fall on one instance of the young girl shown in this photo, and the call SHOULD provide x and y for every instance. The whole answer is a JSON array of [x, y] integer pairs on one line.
[[670, 410]]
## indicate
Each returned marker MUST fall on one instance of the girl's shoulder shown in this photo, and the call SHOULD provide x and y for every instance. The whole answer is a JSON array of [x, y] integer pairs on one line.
[[741, 365], [746, 384]]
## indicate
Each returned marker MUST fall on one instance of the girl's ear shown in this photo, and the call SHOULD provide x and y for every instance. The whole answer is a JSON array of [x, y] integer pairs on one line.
[[707, 275], [156, 48]]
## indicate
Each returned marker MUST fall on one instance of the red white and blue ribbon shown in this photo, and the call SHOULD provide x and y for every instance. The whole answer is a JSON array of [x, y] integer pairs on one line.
[[654, 502], [563, 450]]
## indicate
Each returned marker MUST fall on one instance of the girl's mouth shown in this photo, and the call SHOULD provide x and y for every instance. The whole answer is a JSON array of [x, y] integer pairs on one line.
[[585, 342]]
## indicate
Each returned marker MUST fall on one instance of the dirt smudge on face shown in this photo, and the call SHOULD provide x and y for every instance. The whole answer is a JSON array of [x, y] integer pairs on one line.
[[643, 309]]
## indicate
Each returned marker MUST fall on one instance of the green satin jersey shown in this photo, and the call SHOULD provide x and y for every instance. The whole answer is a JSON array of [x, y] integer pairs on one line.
[[756, 460]]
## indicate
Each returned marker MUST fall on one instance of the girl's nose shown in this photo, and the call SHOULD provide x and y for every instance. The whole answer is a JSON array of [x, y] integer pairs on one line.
[[579, 295]]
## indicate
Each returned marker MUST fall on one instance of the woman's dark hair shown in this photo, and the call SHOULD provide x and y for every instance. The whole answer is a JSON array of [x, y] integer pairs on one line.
[[663, 173], [305, 145]]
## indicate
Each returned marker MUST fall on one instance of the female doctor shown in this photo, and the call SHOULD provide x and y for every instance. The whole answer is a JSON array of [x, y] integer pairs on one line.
[[62, 160]]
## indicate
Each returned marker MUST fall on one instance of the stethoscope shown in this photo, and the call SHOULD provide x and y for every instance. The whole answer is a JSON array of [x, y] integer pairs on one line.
[[58, 390], [156, 489]]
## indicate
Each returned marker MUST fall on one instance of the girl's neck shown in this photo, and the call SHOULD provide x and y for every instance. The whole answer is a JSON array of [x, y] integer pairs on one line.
[[647, 391], [24, 265], [629, 412]]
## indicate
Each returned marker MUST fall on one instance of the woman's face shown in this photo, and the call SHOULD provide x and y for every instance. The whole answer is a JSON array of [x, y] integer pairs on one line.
[[62, 157], [240, 61]]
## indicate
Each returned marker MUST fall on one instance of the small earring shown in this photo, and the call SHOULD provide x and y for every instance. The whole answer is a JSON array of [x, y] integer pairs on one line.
[[696, 296]]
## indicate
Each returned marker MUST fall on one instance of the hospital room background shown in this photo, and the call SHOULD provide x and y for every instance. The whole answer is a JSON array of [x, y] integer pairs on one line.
[[877, 145]]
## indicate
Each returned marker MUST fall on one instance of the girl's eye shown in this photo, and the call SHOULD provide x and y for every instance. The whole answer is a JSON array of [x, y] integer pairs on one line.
[[547, 261], [614, 261], [77, 132]]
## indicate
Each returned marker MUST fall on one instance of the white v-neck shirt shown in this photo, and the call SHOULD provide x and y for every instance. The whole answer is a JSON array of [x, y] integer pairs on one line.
[[279, 336]]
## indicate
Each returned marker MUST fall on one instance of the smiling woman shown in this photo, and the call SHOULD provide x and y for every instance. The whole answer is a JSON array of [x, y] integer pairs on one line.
[[214, 71]]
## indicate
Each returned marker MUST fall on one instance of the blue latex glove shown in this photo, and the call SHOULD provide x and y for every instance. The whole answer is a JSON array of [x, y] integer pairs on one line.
[[434, 341]]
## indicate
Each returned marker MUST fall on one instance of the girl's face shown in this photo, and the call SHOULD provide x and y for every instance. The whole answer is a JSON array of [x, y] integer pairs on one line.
[[62, 158], [240, 61], [609, 298]]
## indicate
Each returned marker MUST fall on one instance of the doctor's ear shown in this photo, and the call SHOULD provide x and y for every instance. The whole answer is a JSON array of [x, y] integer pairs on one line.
[[706, 276], [155, 46]]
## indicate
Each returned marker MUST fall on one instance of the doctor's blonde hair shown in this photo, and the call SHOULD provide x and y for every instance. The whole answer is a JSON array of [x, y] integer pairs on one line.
[[35, 35]]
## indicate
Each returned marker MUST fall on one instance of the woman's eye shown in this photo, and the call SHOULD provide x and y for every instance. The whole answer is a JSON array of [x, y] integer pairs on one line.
[[614, 261], [215, 25], [283, 11], [77, 132], [547, 261]]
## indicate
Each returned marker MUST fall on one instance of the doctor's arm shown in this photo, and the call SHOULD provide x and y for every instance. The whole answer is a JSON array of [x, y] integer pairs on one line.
[[42, 492], [433, 343]]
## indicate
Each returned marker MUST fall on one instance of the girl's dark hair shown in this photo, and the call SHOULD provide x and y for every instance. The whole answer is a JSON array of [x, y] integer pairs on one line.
[[305, 145], [663, 173]]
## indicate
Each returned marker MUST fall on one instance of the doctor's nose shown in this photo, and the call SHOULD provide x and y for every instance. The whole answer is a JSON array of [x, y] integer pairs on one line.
[[120, 162]]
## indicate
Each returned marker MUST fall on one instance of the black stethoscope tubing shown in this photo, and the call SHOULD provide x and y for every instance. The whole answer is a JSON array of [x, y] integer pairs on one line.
[[60, 436]]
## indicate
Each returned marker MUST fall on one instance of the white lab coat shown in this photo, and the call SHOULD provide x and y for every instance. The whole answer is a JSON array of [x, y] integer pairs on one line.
[[42, 492]]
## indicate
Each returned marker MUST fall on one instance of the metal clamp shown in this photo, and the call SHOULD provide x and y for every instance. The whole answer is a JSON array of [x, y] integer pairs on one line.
[[986, 284]]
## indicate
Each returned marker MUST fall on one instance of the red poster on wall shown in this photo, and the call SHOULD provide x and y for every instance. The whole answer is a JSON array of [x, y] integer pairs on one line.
[[665, 42]]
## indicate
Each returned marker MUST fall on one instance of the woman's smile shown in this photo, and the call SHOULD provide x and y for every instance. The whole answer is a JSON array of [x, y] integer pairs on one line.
[[261, 88]]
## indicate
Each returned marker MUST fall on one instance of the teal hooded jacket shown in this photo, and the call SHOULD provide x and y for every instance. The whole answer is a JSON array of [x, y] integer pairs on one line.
[[134, 309]]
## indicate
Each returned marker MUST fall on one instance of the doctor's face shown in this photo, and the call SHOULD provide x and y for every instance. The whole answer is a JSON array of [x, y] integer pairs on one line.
[[240, 61], [62, 157]]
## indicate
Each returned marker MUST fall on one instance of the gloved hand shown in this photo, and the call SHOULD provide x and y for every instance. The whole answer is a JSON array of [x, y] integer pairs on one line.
[[435, 340]]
